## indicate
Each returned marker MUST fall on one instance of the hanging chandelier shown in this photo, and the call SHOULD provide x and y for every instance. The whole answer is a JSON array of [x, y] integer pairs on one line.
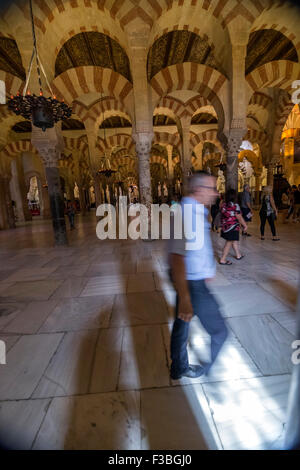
[[42, 111], [105, 166]]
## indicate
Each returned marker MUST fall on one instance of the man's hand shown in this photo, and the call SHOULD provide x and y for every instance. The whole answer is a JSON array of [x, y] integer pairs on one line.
[[185, 309]]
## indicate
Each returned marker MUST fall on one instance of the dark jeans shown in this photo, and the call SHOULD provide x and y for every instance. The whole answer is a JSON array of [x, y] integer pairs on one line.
[[290, 211], [263, 219], [207, 310], [71, 220]]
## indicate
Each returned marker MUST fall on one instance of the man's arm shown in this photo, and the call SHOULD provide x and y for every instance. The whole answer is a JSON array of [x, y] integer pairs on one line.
[[185, 309]]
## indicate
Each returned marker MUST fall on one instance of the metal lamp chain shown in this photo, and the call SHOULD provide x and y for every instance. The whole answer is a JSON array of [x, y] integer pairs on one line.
[[35, 47]]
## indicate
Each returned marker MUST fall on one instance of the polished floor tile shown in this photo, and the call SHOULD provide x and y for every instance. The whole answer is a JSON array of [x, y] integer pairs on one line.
[[108, 421], [288, 320], [29, 320], [106, 364], [20, 422], [143, 361], [87, 333], [249, 414], [30, 274], [142, 282], [9, 340], [26, 362], [79, 313], [9, 311], [70, 288], [103, 285], [272, 353], [30, 290], [139, 308], [246, 299], [69, 370], [177, 419]]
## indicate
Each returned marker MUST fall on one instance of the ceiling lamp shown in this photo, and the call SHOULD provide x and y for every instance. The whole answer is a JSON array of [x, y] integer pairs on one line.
[[105, 166], [43, 112]]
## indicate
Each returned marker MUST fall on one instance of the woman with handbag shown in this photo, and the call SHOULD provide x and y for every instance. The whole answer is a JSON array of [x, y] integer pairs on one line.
[[231, 220], [268, 212]]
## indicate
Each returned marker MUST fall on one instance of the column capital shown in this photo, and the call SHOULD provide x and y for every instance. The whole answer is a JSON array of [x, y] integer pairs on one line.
[[143, 142], [49, 144], [49, 155]]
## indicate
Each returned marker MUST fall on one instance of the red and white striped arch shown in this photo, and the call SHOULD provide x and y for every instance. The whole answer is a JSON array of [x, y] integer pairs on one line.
[[256, 136], [176, 106], [166, 138], [14, 148], [129, 163], [158, 159], [202, 79], [94, 112], [279, 74], [123, 153], [76, 144], [78, 81], [260, 99], [117, 140], [207, 136]]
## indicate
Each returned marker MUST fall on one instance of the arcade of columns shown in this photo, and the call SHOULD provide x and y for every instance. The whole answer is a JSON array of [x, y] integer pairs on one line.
[[177, 85]]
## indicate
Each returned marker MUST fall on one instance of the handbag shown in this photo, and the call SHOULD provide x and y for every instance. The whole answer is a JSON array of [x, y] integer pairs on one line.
[[217, 220]]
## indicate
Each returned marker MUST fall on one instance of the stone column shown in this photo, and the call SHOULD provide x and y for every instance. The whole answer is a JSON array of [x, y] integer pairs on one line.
[[50, 159], [270, 178], [82, 201], [138, 40], [257, 186], [49, 145], [143, 144], [46, 210], [79, 180], [10, 216], [45, 202], [186, 161], [95, 157], [237, 112], [170, 172], [234, 143], [16, 193], [23, 187], [3, 209]]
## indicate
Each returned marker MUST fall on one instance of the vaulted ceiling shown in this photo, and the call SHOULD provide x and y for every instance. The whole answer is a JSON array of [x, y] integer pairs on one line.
[[23, 126], [162, 120], [92, 48], [72, 125], [10, 58], [115, 121], [177, 47], [267, 45], [204, 118]]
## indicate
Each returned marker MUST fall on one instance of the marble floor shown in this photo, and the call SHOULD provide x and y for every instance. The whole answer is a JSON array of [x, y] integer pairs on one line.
[[87, 333]]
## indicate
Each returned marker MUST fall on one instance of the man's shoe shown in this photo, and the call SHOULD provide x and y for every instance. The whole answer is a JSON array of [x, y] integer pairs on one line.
[[193, 371]]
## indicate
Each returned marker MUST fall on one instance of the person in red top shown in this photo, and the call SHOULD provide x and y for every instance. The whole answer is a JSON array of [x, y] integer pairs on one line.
[[231, 219]]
